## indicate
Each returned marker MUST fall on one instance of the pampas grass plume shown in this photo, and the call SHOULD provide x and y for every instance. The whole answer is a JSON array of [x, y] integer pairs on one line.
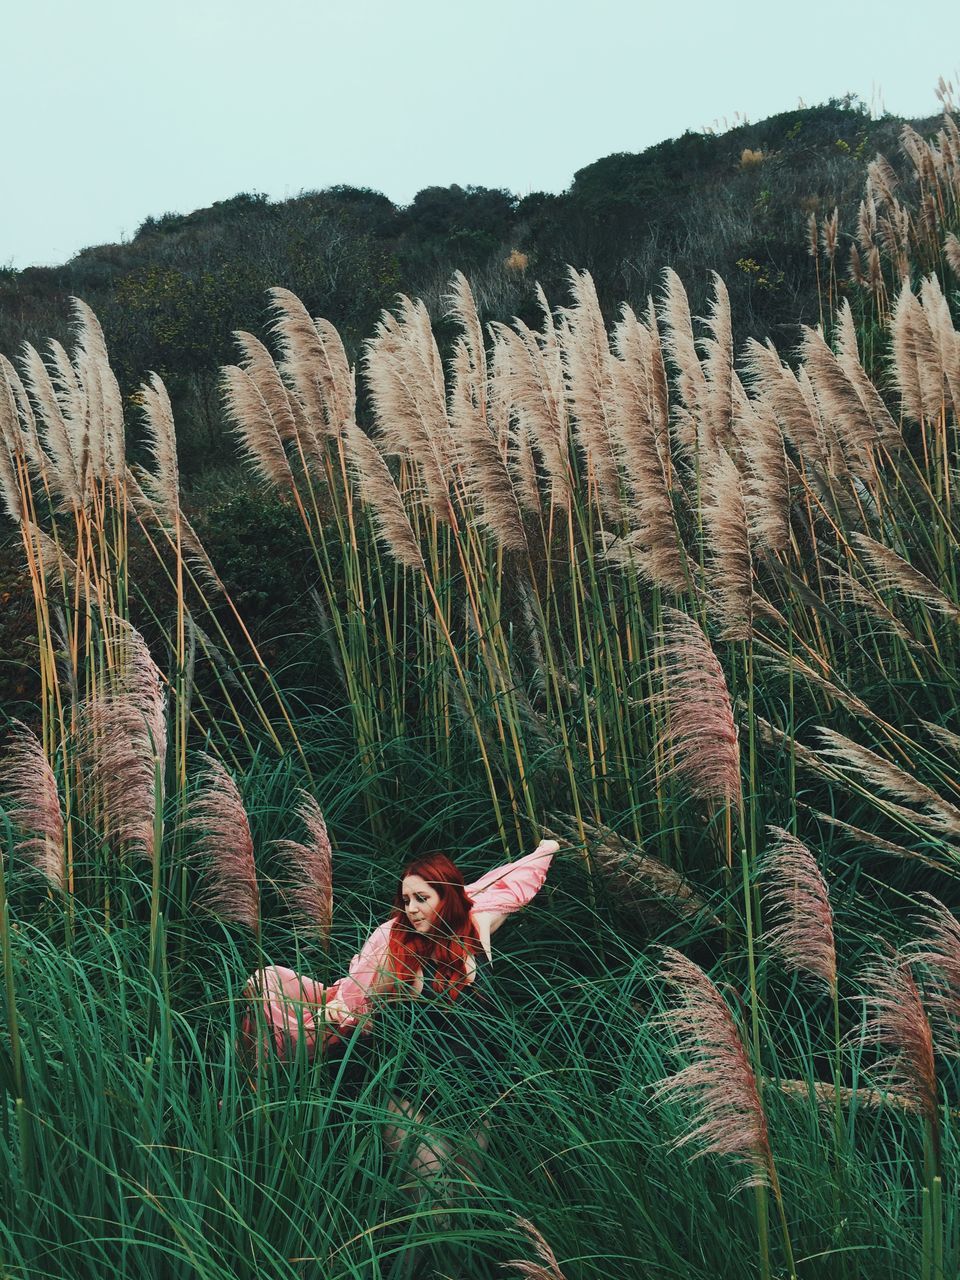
[[701, 734], [311, 867], [939, 950], [799, 904], [225, 847], [729, 1119], [29, 787], [380, 493], [123, 738], [898, 1026], [547, 1269]]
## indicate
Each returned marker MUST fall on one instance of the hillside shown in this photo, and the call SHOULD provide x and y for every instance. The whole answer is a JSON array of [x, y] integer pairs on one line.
[[736, 203]]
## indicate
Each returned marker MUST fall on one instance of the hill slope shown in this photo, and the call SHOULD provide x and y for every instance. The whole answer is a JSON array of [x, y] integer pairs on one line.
[[736, 203]]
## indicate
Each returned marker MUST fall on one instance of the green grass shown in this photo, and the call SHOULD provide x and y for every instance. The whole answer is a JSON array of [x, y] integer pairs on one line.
[[121, 1161]]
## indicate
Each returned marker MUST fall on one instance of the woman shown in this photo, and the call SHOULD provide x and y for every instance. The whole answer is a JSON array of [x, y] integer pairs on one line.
[[415, 989], [296, 1007], [431, 1006]]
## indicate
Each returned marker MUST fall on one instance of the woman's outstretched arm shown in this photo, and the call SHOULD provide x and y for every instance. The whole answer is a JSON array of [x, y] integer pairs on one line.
[[507, 889]]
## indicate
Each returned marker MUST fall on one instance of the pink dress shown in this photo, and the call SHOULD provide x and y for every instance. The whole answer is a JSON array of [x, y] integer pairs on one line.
[[292, 1001]]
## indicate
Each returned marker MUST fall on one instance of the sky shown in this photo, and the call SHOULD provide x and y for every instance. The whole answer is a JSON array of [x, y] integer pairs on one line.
[[119, 110]]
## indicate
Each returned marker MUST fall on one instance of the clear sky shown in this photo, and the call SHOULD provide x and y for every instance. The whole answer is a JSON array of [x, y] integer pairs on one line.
[[116, 109]]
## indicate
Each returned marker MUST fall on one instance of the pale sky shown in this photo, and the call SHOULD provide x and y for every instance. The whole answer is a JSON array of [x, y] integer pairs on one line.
[[117, 109]]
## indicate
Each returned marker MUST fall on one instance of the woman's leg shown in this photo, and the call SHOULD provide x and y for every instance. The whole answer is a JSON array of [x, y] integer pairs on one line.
[[421, 1162], [467, 1156], [427, 1154]]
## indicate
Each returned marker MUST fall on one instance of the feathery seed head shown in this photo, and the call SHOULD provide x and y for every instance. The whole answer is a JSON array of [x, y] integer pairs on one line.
[[380, 493], [311, 868], [28, 787], [123, 739], [802, 919], [898, 1026], [729, 1119], [700, 732], [547, 1269], [939, 950], [224, 847]]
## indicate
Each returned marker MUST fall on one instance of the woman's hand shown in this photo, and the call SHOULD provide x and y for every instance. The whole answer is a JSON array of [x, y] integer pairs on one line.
[[547, 846], [336, 1011]]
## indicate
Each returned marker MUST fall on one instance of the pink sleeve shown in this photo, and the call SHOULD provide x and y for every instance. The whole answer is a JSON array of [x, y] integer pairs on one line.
[[291, 1003], [510, 887], [373, 959]]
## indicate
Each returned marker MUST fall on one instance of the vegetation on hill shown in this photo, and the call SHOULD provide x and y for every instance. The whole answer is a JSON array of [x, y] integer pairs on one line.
[[736, 203]]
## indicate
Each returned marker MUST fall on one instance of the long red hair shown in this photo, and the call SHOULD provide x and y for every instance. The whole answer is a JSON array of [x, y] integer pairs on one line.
[[453, 936]]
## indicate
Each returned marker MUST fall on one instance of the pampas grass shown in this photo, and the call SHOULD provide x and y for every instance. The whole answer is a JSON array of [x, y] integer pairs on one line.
[[729, 1118], [801, 930], [224, 848], [256, 430], [898, 1026], [310, 869], [28, 788], [482, 461], [889, 778], [380, 493], [939, 950], [700, 736], [728, 1115], [547, 488], [731, 565], [124, 742], [891, 572], [548, 1268]]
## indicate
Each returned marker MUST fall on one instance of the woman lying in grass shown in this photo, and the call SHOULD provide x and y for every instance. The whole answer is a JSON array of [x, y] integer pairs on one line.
[[419, 988]]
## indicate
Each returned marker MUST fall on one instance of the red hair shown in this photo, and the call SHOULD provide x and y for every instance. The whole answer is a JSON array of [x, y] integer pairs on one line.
[[453, 936]]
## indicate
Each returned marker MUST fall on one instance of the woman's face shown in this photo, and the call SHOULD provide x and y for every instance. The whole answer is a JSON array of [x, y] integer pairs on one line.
[[420, 902]]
